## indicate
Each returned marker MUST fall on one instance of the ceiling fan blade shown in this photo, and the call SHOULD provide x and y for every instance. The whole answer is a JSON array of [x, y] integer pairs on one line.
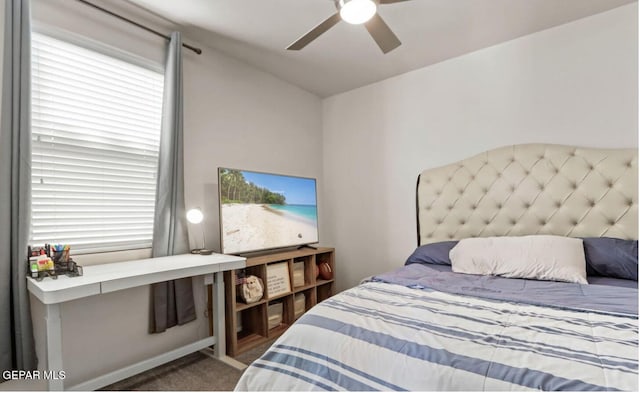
[[315, 32], [382, 34], [390, 1]]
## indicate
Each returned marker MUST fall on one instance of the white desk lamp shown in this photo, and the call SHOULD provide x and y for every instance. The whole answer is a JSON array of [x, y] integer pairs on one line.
[[195, 216]]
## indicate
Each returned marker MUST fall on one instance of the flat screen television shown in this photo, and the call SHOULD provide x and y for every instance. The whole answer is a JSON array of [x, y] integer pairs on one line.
[[261, 211]]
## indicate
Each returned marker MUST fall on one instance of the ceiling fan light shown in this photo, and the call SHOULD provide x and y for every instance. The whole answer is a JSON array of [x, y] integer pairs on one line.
[[357, 12]]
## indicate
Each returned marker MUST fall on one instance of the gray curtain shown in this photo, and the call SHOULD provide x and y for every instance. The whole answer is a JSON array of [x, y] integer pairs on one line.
[[16, 333], [173, 300]]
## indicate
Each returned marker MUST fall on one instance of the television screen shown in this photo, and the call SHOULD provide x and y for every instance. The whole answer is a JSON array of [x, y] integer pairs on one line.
[[260, 211]]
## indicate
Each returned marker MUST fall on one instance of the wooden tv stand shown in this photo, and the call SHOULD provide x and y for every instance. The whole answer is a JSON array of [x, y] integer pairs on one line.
[[254, 328]]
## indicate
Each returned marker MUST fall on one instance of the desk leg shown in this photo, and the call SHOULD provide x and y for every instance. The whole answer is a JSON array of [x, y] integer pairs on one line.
[[220, 349], [54, 344]]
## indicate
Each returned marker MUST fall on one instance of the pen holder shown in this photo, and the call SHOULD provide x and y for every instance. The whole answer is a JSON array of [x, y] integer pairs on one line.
[[61, 256]]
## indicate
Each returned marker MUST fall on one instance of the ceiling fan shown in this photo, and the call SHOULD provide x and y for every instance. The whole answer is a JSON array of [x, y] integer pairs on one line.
[[356, 12]]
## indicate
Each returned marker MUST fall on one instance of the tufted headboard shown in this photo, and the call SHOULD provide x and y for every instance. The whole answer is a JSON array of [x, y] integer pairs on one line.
[[531, 189]]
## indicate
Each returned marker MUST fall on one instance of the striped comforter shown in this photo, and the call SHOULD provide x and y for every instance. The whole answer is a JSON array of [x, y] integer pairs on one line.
[[381, 336]]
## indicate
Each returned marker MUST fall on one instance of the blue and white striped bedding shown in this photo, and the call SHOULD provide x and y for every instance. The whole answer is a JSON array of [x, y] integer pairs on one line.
[[383, 336]]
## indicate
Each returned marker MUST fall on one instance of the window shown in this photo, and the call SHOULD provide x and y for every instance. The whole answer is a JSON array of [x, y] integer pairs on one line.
[[96, 134]]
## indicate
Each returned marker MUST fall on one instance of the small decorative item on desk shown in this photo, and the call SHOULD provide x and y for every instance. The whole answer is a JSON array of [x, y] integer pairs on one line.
[[33, 269], [63, 262], [60, 253], [40, 264], [51, 261]]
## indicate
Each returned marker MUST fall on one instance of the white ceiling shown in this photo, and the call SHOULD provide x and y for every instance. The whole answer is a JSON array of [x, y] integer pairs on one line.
[[346, 57]]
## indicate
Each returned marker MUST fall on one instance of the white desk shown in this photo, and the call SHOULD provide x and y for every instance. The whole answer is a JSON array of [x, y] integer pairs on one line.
[[99, 279]]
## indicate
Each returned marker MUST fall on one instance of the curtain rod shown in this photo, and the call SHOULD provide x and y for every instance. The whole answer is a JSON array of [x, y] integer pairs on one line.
[[166, 37]]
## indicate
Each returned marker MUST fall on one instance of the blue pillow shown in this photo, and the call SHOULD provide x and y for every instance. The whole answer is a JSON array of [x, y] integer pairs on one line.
[[610, 257], [433, 253]]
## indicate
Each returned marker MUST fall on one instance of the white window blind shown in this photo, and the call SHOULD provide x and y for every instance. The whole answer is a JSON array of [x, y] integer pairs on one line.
[[96, 133]]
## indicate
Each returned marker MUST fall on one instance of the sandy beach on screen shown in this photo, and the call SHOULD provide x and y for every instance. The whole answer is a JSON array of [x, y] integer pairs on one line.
[[257, 226]]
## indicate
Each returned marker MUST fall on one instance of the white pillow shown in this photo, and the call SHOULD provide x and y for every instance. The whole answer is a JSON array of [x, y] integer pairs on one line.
[[540, 257]]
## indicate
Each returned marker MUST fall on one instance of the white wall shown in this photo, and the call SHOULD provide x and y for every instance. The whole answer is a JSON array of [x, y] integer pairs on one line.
[[573, 84], [239, 118], [235, 116]]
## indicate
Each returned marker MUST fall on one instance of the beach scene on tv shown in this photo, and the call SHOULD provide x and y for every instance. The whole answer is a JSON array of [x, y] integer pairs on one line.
[[261, 211]]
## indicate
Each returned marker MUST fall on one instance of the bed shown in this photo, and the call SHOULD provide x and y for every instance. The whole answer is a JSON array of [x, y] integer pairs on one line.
[[425, 326]]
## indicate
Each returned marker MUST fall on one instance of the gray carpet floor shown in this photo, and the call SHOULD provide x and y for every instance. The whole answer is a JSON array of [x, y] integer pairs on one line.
[[194, 372]]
